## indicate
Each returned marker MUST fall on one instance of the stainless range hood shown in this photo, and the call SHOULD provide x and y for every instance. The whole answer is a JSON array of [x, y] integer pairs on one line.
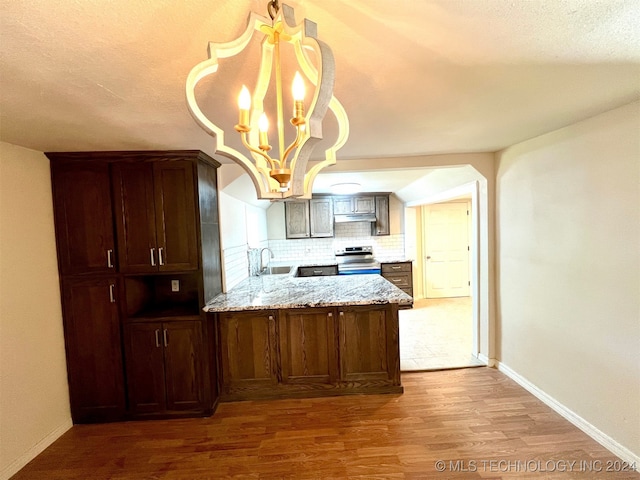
[[355, 217]]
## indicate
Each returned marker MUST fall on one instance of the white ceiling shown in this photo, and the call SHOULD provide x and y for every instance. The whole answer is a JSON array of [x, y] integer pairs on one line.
[[371, 181], [415, 77]]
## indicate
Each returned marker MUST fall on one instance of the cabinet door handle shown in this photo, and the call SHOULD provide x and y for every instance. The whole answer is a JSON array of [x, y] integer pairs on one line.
[[112, 297], [329, 314], [271, 318], [153, 256], [157, 337], [109, 260], [160, 256], [342, 314], [165, 336]]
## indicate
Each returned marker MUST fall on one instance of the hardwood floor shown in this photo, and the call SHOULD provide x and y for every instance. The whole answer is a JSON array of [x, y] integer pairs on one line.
[[477, 421]]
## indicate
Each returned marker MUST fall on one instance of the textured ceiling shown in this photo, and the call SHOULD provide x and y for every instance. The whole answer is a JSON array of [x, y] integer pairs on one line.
[[415, 77]]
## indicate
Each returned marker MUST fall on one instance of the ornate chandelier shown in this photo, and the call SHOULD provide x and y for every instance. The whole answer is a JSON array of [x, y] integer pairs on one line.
[[283, 172]]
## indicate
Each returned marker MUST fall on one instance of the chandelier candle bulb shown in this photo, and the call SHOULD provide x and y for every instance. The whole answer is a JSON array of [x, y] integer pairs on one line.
[[263, 128], [298, 96], [244, 104]]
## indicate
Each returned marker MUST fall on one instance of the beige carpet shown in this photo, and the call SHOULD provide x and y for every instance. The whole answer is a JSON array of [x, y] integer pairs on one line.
[[437, 334]]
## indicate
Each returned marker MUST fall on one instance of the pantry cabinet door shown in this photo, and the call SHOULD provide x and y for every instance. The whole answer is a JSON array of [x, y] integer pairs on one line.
[[174, 190], [145, 367], [94, 352], [83, 217], [135, 217], [183, 355]]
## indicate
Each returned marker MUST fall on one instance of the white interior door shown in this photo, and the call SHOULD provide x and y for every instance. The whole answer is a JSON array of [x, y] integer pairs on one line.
[[446, 250]]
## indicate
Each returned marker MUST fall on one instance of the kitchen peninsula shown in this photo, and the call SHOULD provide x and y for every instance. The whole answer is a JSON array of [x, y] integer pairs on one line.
[[281, 336]]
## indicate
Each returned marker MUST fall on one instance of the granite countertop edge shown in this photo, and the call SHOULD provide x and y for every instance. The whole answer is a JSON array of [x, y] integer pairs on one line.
[[286, 306], [275, 292], [393, 260]]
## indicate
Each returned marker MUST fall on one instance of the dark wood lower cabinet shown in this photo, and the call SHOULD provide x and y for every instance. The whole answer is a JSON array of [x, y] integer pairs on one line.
[[94, 355], [369, 346], [165, 367], [321, 271], [248, 351], [308, 346], [400, 274], [308, 352], [183, 365]]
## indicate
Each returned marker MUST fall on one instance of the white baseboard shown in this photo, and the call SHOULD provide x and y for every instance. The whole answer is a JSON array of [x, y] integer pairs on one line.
[[602, 438], [34, 451]]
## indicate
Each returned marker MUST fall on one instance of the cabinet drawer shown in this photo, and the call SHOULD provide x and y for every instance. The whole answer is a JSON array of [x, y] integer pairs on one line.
[[396, 267], [400, 280], [317, 271]]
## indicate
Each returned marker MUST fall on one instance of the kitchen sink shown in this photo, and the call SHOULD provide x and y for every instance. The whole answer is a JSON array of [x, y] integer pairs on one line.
[[280, 269]]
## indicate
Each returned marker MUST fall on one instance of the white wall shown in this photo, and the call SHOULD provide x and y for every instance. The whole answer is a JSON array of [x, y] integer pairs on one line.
[[568, 259], [34, 398], [275, 221], [242, 226], [413, 247]]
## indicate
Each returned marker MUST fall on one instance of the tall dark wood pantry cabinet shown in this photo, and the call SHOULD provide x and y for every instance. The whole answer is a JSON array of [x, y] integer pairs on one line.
[[139, 254]]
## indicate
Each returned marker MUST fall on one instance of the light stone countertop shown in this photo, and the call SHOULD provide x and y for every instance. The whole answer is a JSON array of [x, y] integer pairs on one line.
[[286, 291], [393, 259], [295, 264]]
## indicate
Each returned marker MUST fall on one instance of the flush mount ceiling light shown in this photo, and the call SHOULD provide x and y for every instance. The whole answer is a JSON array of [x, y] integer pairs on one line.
[[345, 188], [280, 172]]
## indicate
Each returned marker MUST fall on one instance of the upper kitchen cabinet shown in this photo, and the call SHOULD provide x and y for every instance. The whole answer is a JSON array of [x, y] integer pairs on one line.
[[364, 205], [83, 216], [321, 217], [309, 218], [155, 216], [357, 204], [381, 225], [342, 205], [296, 218]]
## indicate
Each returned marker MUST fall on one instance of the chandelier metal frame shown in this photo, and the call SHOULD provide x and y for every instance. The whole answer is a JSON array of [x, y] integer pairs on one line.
[[290, 174]]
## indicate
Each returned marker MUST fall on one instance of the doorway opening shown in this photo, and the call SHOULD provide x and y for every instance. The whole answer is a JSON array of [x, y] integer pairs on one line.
[[441, 331]]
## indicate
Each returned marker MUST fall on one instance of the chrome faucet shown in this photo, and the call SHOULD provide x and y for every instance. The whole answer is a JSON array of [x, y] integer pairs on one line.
[[263, 267]]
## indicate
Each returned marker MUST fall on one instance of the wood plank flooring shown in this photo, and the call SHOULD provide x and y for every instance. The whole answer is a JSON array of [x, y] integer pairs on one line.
[[478, 422]]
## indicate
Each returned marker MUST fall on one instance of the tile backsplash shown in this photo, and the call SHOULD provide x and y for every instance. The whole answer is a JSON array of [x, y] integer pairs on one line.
[[242, 261], [346, 235], [235, 264], [239, 262]]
